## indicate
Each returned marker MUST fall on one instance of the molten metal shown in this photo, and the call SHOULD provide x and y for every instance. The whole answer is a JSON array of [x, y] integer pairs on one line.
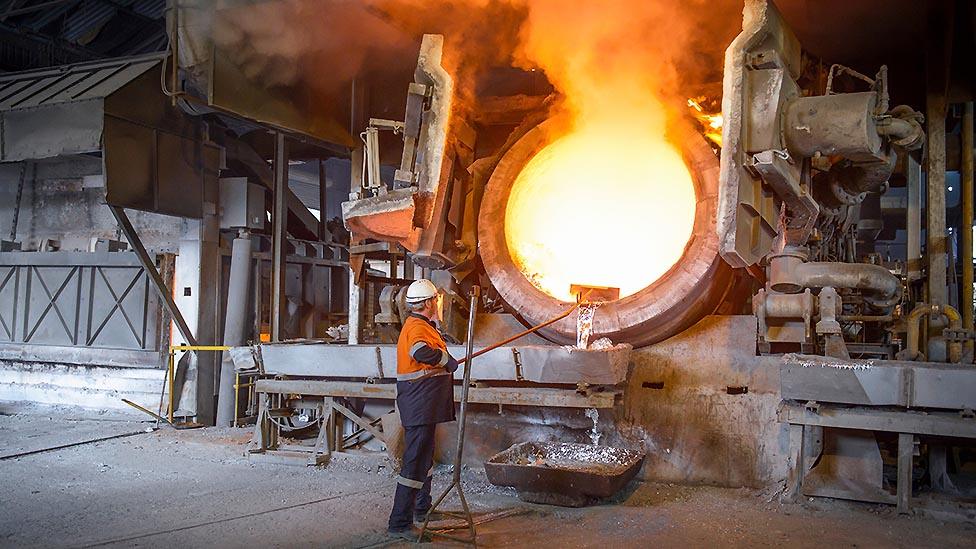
[[604, 205]]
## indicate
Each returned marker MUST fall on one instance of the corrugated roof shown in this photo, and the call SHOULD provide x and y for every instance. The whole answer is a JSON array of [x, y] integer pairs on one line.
[[89, 16], [72, 82]]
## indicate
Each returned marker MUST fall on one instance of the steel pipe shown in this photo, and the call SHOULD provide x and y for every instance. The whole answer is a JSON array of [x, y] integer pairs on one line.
[[238, 288], [865, 318], [789, 274], [914, 321], [788, 305], [880, 286], [903, 132], [955, 322]]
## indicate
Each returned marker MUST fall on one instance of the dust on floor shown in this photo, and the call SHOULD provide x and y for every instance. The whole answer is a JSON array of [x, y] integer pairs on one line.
[[197, 489]]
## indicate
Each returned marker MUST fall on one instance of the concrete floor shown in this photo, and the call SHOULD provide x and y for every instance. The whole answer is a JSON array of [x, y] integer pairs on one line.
[[196, 489]]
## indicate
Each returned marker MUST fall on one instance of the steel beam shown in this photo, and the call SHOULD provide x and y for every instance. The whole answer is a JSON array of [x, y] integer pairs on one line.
[[536, 363], [946, 424], [150, 266], [878, 382], [513, 396], [278, 221], [303, 223]]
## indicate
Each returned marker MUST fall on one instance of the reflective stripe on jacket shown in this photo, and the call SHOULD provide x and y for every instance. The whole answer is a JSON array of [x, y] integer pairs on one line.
[[425, 389]]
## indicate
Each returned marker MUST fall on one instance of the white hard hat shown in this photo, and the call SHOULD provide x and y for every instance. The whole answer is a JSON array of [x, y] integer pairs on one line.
[[421, 290]]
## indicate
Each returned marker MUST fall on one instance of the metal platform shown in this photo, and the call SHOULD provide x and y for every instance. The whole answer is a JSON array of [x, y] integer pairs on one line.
[[878, 382], [276, 397], [857, 420], [554, 364]]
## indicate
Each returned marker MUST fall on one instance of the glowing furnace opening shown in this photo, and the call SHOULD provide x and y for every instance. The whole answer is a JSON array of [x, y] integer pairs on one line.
[[600, 208]]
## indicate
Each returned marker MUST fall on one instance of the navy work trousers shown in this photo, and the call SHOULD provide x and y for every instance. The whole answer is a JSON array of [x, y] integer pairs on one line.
[[413, 485]]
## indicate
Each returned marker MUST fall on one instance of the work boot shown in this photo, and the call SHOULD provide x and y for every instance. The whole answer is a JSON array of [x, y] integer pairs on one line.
[[411, 533]]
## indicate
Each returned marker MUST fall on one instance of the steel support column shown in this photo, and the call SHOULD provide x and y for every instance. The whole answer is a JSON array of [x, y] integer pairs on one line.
[[913, 222], [935, 212], [966, 229], [323, 204], [937, 54], [906, 448], [355, 300], [279, 221], [355, 291]]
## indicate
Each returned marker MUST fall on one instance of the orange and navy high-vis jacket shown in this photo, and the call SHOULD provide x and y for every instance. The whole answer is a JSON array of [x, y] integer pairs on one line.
[[425, 385], [421, 351]]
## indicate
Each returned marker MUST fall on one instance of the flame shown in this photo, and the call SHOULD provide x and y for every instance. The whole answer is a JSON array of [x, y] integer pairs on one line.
[[711, 123], [610, 201]]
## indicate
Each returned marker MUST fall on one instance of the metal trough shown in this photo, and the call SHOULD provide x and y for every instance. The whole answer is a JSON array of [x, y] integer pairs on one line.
[[567, 474]]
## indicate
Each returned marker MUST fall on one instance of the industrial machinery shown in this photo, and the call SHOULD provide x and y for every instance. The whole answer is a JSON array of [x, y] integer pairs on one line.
[[767, 328], [794, 267], [803, 170]]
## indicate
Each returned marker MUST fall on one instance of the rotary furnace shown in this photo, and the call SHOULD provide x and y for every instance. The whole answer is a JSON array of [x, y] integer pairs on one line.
[[523, 214], [785, 207]]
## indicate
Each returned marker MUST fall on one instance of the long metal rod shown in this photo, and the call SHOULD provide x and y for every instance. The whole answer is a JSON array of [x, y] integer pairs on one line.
[[146, 411], [73, 444], [278, 223], [20, 193], [150, 266], [524, 333], [462, 417], [966, 305]]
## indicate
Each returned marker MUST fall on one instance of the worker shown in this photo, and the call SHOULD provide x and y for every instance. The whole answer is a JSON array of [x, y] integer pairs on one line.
[[425, 397]]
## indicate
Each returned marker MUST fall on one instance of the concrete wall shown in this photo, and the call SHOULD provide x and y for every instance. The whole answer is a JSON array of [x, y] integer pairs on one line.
[[694, 430], [677, 408], [97, 389], [66, 201]]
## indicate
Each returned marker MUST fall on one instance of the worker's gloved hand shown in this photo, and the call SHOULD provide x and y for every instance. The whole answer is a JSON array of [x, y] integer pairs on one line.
[[452, 364]]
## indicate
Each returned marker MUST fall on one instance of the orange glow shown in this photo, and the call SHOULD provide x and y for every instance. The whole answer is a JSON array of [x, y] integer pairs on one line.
[[610, 201], [594, 208], [711, 123]]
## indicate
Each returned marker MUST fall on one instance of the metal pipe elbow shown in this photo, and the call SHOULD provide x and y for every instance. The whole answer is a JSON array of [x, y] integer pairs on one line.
[[914, 321], [881, 288], [955, 323], [903, 125]]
